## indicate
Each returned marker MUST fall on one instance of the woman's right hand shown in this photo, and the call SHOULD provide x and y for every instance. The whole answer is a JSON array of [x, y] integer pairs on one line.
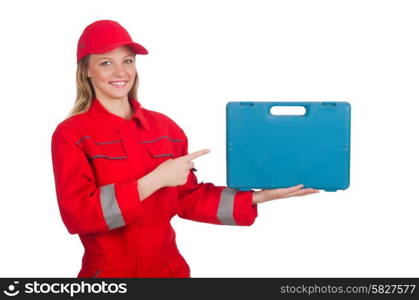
[[174, 172]]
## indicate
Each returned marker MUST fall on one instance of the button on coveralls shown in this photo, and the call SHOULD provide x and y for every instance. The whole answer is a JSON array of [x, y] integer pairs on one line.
[[97, 160]]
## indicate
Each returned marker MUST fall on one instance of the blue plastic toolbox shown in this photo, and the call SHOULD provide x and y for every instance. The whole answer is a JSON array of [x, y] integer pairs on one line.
[[266, 151]]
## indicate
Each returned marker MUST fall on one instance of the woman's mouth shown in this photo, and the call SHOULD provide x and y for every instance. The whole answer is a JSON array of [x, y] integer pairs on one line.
[[118, 84]]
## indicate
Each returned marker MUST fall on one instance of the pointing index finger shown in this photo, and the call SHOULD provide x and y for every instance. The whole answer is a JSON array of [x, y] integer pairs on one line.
[[196, 154]]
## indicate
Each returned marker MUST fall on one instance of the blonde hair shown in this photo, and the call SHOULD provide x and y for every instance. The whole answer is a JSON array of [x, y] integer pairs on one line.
[[85, 90]]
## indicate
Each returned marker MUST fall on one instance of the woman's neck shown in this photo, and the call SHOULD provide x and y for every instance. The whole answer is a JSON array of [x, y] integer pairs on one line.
[[119, 107]]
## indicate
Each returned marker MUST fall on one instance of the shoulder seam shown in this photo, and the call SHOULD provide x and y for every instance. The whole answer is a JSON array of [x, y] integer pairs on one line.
[[67, 132]]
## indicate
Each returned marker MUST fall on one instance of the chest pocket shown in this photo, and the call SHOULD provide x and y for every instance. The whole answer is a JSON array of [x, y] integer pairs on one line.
[[105, 150], [107, 157], [162, 148]]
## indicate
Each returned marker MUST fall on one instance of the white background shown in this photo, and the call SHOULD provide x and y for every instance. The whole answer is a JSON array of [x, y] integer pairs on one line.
[[202, 55]]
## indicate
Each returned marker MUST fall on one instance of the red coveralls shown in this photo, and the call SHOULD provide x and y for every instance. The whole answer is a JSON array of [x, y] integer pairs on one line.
[[97, 159]]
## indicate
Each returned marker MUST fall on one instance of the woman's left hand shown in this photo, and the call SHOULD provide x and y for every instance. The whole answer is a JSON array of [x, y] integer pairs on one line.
[[272, 194]]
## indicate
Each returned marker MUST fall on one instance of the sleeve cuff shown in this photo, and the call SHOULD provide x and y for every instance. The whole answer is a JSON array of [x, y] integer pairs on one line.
[[245, 212]]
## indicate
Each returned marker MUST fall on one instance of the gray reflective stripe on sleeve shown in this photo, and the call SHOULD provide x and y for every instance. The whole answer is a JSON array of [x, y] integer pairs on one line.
[[226, 207], [110, 207]]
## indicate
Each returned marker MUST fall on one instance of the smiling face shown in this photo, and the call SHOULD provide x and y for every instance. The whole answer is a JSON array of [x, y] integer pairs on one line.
[[112, 74]]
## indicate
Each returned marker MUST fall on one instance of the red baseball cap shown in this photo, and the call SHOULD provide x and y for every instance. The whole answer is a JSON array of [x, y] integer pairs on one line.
[[104, 35]]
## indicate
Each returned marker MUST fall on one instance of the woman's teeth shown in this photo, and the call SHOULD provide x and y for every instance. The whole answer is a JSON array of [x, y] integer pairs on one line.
[[118, 84]]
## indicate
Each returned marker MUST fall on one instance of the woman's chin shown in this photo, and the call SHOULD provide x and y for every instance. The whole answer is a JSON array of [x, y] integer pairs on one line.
[[119, 95]]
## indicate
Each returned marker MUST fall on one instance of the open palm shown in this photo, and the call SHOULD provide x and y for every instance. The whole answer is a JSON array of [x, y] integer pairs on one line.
[[272, 194]]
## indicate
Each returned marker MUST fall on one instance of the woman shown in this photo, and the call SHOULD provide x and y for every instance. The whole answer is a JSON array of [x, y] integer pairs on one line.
[[122, 171]]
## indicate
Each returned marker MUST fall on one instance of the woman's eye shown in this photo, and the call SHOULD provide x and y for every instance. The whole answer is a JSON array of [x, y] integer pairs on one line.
[[129, 60]]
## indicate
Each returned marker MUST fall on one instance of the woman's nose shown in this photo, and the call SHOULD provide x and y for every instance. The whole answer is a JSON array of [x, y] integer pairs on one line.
[[120, 70]]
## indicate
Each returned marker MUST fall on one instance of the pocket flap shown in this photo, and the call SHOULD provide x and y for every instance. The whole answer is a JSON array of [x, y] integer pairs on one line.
[[111, 149], [160, 148]]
